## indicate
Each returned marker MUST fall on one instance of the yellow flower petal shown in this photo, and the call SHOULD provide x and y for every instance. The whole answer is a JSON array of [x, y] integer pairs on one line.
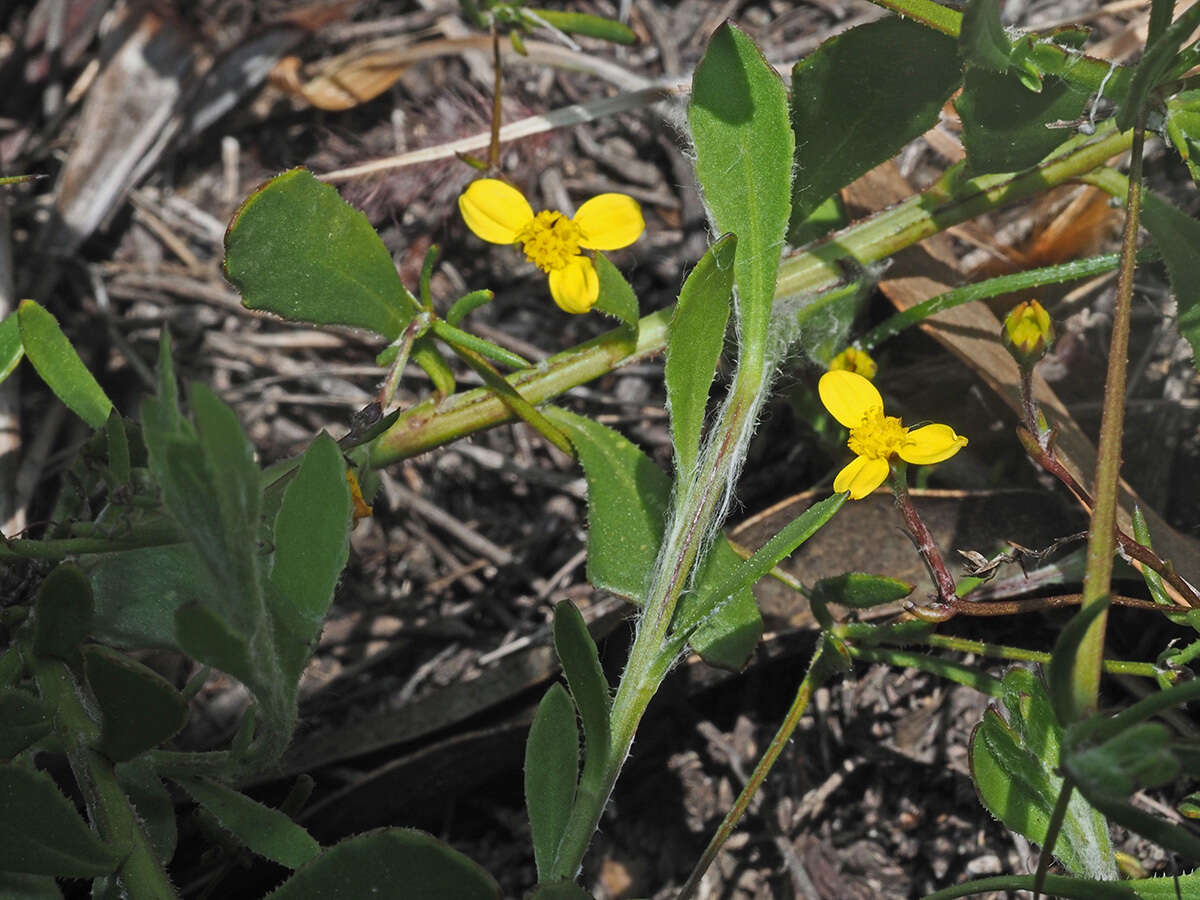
[[575, 286], [931, 444], [495, 211], [848, 396], [861, 476], [609, 222]]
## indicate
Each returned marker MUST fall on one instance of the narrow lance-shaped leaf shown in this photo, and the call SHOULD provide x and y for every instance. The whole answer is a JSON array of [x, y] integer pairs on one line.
[[745, 147], [581, 665], [694, 347], [60, 366], [11, 350], [551, 773], [617, 299]]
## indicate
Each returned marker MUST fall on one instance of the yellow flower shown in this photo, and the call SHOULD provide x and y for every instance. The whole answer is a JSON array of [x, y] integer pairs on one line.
[[854, 360], [1027, 331], [876, 438], [500, 214], [362, 509]]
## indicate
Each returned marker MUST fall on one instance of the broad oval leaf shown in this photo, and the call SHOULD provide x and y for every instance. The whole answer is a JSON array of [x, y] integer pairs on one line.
[[858, 590], [740, 126], [375, 864], [297, 249], [860, 97], [266, 831], [60, 366], [694, 345], [63, 613], [42, 834], [139, 708], [551, 773]]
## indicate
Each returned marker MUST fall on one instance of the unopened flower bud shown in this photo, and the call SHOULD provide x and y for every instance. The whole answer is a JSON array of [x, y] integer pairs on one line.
[[1027, 332], [854, 360]]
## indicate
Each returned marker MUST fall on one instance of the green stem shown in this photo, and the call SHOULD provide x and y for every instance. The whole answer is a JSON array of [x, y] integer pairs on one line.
[[140, 874], [1053, 828], [54, 550], [949, 202], [1102, 538], [948, 669]]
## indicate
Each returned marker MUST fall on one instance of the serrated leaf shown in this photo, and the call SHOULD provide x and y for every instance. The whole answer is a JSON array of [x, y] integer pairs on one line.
[[376, 863], [153, 804], [589, 689], [551, 773], [1005, 123], [617, 300], [694, 344], [266, 831], [139, 709], [24, 720], [1177, 236], [312, 543], [42, 834], [627, 507], [60, 366], [1183, 129], [63, 613], [982, 40], [858, 590], [745, 148], [859, 98], [11, 349], [1013, 766], [297, 249]]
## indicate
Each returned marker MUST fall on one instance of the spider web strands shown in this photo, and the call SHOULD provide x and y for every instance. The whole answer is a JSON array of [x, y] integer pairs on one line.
[[995, 287]]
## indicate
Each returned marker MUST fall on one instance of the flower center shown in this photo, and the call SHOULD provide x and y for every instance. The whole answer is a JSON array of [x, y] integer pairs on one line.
[[877, 436], [550, 240]]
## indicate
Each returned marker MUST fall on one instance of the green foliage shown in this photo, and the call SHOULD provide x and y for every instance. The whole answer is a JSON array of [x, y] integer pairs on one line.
[[11, 349], [139, 709], [694, 346], [63, 613], [551, 772], [15, 886], [57, 363], [266, 831], [589, 689], [376, 863], [585, 24], [42, 834], [297, 249], [1013, 765], [745, 148], [617, 300], [982, 39], [24, 720], [1177, 236], [1183, 130], [860, 98], [858, 590], [1060, 671], [559, 890], [1155, 66], [153, 804]]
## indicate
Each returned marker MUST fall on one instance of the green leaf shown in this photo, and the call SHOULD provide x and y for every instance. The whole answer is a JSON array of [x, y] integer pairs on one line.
[[11, 349], [559, 890], [24, 720], [153, 804], [694, 344], [266, 831], [617, 300], [376, 863], [860, 98], [1166, 887], [982, 40], [627, 505], [297, 249], [1178, 235], [60, 366], [587, 25], [456, 337], [15, 886], [139, 709], [467, 304], [727, 636], [1183, 129], [138, 591], [1014, 767], [42, 834], [118, 448], [312, 543], [589, 689], [745, 148], [1005, 123], [857, 590], [1155, 65], [551, 771], [1061, 668], [63, 613], [207, 638], [779, 547]]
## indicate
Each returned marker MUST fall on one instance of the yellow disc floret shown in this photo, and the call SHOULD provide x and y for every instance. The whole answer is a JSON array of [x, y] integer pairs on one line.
[[550, 240], [878, 437]]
